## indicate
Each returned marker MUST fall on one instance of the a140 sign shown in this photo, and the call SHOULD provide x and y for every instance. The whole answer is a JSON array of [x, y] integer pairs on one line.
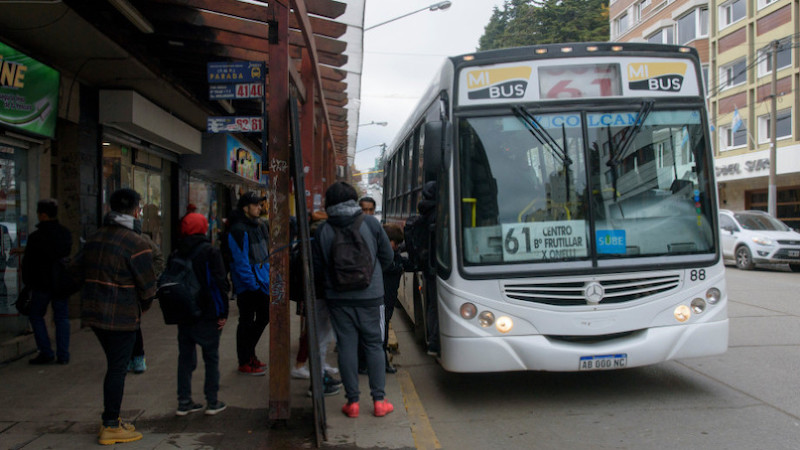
[[235, 124]]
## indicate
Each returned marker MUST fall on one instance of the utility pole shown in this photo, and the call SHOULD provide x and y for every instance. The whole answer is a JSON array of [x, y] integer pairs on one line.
[[772, 193]]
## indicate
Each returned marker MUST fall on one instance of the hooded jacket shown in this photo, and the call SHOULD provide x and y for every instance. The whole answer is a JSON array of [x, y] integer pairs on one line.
[[248, 243], [342, 215]]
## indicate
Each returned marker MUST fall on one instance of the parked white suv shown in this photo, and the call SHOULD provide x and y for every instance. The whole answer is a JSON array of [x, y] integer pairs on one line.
[[754, 237]]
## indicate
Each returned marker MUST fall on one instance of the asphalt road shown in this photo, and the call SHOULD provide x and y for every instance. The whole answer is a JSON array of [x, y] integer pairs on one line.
[[746, 398]]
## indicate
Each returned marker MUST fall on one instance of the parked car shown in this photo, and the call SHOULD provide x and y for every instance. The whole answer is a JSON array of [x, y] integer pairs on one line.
[[754, 237]]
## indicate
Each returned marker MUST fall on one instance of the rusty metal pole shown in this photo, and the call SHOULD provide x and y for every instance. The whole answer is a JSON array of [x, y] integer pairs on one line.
[[278, 192]]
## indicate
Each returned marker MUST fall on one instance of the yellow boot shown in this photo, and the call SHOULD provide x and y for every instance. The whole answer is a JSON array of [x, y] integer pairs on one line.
[[123, 432]]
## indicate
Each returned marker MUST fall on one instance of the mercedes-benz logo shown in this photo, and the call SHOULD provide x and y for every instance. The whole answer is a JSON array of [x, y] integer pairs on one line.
[[594, 292]]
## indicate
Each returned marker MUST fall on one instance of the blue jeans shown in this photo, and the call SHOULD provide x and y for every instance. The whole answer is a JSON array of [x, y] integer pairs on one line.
[[40, 300], [204, 333]]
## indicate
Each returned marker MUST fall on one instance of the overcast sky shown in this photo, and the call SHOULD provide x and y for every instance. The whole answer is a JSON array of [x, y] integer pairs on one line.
[[401, 58]]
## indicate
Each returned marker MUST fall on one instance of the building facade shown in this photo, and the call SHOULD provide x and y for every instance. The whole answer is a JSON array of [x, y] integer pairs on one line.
[[735, 41]]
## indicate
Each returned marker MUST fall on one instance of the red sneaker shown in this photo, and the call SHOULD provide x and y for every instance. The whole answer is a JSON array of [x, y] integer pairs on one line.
[[256, 363], [350, 409], [247, 369], [383, 407]]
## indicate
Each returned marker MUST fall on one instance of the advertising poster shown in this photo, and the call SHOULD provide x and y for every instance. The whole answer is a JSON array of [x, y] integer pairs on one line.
[[28, 93], [242, 161]]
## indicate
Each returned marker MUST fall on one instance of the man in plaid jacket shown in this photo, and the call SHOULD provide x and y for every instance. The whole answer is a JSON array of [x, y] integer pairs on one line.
[[119, 282]]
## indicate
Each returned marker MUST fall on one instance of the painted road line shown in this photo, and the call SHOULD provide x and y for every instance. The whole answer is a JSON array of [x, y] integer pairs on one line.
[[424, 437]]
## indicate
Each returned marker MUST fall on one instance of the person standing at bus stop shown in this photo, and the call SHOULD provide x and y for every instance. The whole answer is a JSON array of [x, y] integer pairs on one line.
[[355, 313]]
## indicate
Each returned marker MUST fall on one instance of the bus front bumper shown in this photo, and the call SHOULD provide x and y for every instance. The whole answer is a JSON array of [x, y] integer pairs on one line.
[[537, 352]]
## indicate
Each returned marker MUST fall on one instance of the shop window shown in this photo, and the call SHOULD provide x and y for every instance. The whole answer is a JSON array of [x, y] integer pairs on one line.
[[14, 222], [787, 204]]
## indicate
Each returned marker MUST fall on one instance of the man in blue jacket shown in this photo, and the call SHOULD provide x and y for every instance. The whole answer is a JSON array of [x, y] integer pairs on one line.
[[355, 313], [248, 242]]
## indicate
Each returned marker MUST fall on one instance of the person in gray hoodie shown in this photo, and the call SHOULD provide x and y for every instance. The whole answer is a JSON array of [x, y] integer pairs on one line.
[[355, 313]]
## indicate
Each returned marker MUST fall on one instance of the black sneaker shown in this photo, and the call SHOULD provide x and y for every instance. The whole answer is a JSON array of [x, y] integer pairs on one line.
[[41, 360], [216, 408], [184, 409], [328, 379], [328, 390]]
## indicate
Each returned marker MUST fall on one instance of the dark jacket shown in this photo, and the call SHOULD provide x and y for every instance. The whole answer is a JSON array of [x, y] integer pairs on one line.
[[210, 271], [344, 214], [116, 266], [49, 243], [248, 243]]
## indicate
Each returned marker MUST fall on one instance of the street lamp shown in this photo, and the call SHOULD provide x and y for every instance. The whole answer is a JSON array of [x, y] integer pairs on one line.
[[382, 124], [439, 6]]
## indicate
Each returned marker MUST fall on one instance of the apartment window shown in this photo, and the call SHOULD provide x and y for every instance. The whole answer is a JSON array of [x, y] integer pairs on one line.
[[693, 25], [783, 126], [623, 23], [728, 139], [639, 9], [784, 57], [705, 78], [765, 3], [662, 36], [702, 21], [733, 74], [731, 12]]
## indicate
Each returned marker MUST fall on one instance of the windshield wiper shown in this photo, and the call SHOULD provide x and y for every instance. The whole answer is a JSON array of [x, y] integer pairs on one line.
[[631, 131], [541, 134]]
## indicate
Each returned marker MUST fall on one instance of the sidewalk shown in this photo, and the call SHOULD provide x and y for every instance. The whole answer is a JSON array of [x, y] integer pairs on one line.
[[48, 407]]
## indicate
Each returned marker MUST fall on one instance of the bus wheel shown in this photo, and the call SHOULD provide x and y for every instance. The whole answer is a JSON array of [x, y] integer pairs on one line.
[[795, 267], [419, 313], [744, 259]]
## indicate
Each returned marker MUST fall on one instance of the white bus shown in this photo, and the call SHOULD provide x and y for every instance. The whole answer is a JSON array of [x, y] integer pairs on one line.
[[576, 224]]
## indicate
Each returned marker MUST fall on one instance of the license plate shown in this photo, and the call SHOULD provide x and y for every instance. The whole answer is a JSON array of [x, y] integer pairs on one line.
[[794, 253], [603, 362]]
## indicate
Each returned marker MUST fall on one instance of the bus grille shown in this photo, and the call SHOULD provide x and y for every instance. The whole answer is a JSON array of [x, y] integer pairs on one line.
[[571, 293]]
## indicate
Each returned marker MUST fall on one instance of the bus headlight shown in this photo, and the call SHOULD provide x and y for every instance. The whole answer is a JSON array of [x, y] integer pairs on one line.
[[486, 319], [698, 305], [504, 324], [468, 311], [682, 313], [713, 295]]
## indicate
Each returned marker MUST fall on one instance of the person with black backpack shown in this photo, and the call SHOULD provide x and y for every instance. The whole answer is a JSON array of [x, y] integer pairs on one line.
[[350, 252], [212, 303]]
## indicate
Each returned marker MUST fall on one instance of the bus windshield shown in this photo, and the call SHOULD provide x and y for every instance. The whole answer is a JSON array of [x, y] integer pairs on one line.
[[583, 186]]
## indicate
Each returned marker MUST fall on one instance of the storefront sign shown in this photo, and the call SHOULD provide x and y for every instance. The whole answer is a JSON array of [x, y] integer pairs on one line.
[[235, 124], [28, 93], [235, 72], [242, 161], [749, 166], [233, 91]]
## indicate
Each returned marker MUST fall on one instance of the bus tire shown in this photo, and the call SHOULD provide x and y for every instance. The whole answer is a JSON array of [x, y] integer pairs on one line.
[[419, 312]]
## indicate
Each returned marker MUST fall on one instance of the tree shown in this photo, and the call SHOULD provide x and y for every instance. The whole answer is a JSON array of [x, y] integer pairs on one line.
[[531, 22]]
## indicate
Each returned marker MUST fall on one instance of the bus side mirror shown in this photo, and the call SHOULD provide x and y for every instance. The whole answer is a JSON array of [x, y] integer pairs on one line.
[[437, 148]]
